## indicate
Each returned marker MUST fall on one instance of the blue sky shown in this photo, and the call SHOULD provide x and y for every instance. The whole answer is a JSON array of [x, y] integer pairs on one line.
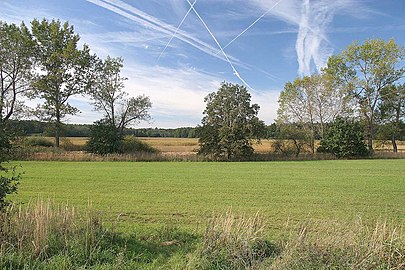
[[266, 43]]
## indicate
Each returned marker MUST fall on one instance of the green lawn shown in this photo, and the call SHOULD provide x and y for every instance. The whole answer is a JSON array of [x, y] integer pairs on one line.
[[186, 193]]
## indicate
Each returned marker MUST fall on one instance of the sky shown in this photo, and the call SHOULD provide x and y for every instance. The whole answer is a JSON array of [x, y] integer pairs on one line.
[[178, 51]]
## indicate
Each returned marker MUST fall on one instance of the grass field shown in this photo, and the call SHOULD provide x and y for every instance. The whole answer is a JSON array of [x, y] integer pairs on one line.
[[187, 193], [336, 214]]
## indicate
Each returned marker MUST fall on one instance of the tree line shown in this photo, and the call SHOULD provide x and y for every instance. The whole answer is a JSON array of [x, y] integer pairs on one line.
[[358, 95], [360, 86], [35, 127]]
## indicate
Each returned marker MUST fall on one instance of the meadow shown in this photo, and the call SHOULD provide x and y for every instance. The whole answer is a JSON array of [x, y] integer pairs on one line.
[[187, 193], [335, 214]]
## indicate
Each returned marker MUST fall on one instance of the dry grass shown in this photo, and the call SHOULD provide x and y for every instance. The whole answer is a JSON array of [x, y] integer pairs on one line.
[[190, 145], [327, 245], [41, 227], [232, 242]]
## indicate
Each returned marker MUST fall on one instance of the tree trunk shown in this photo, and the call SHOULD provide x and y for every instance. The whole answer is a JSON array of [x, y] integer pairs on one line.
[[57, 136], [394, 144], [57, 128], [370, 136]]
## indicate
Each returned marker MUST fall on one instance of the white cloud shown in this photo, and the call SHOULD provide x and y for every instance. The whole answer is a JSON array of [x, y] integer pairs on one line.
[[176, 93]]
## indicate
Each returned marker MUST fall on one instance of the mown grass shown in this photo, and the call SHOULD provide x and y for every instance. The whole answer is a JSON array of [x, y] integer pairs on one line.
[[187, 193]]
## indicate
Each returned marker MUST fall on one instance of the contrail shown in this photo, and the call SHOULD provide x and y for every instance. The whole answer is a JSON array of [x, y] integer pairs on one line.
[[252, 24], [175, 32], [150, 22], [220, 47]]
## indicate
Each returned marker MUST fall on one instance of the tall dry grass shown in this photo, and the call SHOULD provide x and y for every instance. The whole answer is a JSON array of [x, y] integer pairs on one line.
[[43, 228], [355, 245], [233, 242]]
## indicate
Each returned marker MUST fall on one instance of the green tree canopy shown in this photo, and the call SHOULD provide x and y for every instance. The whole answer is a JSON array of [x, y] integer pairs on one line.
[[310, 102], [230, 121], [65, 70], [392, 110], [16, 67], [365, 70], [344, 139], [105, 138]]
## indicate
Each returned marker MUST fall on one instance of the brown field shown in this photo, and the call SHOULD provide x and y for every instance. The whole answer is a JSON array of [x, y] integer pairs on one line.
[[190, 145]]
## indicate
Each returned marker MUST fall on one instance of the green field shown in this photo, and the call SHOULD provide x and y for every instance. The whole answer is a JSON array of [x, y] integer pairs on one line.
[[185, 194]]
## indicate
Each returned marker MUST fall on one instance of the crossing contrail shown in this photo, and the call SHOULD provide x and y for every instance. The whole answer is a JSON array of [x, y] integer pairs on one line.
[[235, 72], [178, 27], [252, 24]]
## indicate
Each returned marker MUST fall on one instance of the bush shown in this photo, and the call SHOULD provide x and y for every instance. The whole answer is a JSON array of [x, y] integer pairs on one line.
[[132, 145], [344, 139], [68, 145], [39, 141], [105, 138]]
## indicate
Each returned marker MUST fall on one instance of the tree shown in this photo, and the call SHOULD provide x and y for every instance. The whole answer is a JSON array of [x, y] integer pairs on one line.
[[310, 102], [16, 64], [105, 138], [65, 70], [230, 121], [392, 109], [365, 70], [109, 98], [344, 139]]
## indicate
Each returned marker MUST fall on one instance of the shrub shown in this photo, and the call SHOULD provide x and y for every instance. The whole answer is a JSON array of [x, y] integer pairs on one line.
[[105, 138], [39, 141], [68, 145], [344, 138], [132, 145]]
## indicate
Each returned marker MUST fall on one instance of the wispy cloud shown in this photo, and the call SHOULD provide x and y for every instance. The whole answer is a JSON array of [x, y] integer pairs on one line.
[[312, 19]]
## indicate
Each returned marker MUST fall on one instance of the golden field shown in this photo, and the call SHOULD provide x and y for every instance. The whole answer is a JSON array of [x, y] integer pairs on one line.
[[190, 145]]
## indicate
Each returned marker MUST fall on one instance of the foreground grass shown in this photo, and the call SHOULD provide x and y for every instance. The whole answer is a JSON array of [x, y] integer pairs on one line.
[[186, 194], [44, 235], [312, 215]]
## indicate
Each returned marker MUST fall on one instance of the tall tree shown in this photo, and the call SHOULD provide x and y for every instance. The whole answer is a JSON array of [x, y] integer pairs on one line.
[[365, 70], [16, 64], [64, 70], [392, 109], [108, 96], [310, 102], [230, 121]]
